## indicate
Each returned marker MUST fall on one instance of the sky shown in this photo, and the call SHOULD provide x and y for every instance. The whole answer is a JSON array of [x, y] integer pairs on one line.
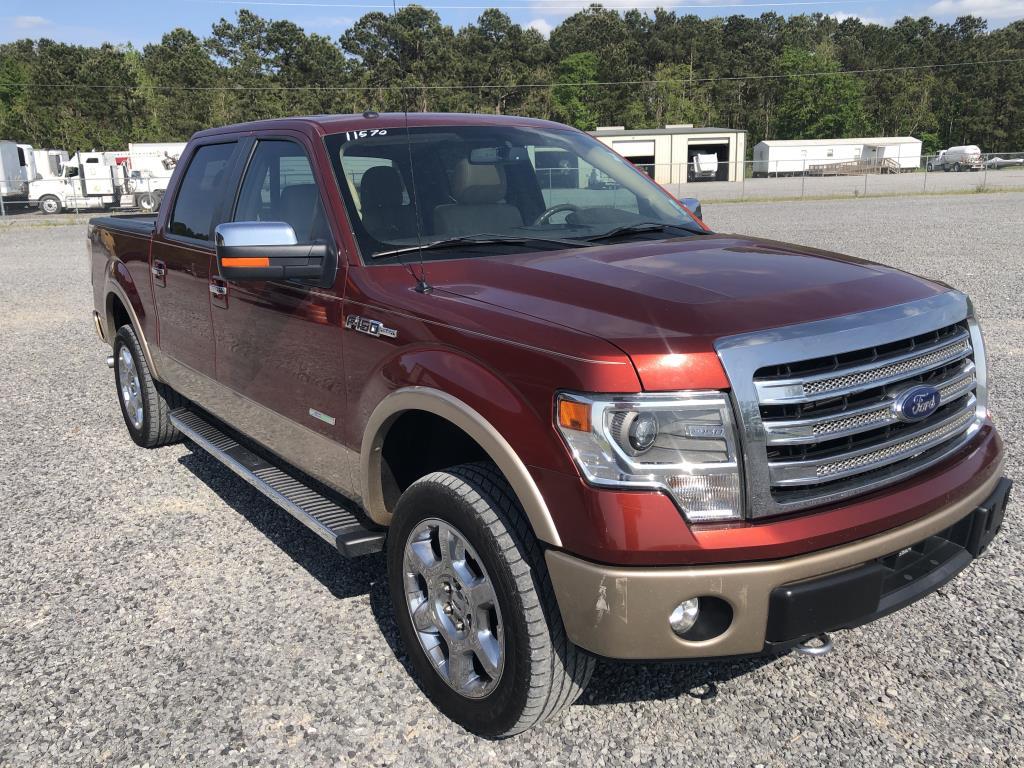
[[144, 21]]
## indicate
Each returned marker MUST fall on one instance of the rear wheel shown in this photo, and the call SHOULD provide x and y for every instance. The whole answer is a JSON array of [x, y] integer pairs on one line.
[[49, 204], [146, 404], [147, 202], [475, 607], [957, 167]]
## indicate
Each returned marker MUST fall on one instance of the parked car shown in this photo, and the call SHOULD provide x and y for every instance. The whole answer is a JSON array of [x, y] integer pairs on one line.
[[967, 158], [580, 424]]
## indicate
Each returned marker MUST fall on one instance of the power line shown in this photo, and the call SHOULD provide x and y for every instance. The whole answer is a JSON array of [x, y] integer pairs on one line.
[[608, 4], [493, 86]]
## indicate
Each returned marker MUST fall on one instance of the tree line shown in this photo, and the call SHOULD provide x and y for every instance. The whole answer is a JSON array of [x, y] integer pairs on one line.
[[773, 76]]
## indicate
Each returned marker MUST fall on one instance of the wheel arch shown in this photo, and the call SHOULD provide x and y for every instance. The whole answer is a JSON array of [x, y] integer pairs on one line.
[[470, 422], [118, 308]]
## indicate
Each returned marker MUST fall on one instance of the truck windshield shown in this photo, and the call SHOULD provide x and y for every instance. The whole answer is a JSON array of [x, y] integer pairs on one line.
[[513, 185]]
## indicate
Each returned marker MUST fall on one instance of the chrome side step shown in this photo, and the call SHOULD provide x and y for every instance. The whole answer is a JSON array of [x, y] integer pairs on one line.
[[331, 522]]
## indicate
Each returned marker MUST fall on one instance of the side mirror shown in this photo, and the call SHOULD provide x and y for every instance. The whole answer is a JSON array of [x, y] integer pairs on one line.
[[694, 205], [268, 250]]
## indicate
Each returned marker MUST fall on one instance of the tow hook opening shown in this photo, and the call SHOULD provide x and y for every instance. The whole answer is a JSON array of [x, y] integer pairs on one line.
[[819, 645]]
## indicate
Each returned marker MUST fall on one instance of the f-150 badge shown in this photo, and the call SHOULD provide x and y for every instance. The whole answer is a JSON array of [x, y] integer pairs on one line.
[[369, 327]]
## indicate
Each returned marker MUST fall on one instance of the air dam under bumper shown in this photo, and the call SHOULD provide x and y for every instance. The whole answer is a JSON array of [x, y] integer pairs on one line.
[[623, 613]]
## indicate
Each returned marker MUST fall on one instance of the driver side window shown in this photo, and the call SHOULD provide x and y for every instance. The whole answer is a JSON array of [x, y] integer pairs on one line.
[[279, 186]]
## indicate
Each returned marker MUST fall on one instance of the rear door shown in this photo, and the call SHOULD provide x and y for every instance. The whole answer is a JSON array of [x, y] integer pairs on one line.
[[182, 259]]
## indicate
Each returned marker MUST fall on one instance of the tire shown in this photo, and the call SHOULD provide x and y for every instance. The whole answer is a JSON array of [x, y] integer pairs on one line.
[[957, 168], [929, 167], [50, 205], [541, 671], [158, 197], [146, 404], [147, 202]]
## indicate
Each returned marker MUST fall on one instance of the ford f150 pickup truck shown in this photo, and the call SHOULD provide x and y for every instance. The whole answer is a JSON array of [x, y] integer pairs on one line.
[[578, 423]]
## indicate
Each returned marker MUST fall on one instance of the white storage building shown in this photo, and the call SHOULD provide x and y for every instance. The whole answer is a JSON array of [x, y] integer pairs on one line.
[[794, 156], [664, 153]]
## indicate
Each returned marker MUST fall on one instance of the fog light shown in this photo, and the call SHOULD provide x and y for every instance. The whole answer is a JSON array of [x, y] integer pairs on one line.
[[684, 616]]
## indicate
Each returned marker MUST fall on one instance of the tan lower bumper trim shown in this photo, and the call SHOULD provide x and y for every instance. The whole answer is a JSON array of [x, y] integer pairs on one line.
[[622, 612]]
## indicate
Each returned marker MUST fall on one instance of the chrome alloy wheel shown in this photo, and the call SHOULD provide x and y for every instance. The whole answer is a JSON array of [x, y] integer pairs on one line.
[[454, 609], [131, 390]]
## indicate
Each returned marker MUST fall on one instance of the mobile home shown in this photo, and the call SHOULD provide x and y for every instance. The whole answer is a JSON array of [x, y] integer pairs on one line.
[[777, 157]]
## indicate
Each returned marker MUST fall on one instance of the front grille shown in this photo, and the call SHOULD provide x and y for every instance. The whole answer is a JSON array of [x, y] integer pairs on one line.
[[831, 428]]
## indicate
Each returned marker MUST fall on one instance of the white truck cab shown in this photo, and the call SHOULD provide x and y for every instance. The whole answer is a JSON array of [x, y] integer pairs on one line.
[[87, 180]]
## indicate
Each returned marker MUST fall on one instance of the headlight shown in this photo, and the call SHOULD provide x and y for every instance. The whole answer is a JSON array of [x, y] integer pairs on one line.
[[682, 443]]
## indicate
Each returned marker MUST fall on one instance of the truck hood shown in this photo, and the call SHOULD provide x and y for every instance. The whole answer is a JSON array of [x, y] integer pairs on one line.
[[676, 297]]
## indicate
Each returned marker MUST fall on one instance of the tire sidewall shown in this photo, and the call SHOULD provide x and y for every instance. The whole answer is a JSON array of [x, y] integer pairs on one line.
[[500, 710], [125, 339], [52, 202]]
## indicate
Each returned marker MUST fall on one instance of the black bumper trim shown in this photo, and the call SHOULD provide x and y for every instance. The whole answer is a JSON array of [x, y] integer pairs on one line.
[[867, 592]]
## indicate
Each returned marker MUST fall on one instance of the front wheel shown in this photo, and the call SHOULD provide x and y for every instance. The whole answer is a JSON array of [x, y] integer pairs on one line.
[[475, 607], [49, 205]]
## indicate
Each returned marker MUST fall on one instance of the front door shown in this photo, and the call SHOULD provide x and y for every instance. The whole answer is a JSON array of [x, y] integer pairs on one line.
[[182, 258], [279, 342]]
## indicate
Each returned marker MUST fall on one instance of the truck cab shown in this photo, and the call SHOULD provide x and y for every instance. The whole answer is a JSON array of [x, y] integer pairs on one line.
[[578, 423], [88, 180]]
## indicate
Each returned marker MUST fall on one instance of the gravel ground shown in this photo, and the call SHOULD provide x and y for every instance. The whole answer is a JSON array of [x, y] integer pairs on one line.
[[156, 610]]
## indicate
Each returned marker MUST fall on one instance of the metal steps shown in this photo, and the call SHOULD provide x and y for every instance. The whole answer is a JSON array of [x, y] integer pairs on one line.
[[333, 523]]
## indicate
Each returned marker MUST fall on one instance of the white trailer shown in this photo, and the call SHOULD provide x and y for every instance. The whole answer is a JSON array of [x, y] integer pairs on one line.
[[793, 157], [149, 172], [12, 178], [87, 181]]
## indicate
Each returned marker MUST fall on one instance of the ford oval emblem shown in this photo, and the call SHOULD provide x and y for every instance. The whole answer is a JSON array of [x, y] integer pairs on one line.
[[916, 403]]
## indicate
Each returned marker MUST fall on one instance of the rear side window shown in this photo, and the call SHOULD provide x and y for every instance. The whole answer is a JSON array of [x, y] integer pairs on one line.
[[200, 191], [279, 186]]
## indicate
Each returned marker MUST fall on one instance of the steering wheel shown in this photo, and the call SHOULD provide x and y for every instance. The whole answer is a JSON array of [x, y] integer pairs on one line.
[[545, 217]]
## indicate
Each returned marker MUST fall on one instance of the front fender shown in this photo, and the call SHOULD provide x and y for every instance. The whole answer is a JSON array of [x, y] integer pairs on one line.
[[470, 421]]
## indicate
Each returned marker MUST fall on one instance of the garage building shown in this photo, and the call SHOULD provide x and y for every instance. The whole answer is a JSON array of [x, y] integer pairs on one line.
[[786, 157], [663, 153]]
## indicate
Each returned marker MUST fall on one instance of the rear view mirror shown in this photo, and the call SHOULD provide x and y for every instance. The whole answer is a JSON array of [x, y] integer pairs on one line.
[[268, 250], [494, 155], [694, 205]]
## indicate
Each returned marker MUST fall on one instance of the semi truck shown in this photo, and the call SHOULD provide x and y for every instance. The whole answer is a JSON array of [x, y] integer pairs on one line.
[[89, 180], [149, 170], [964, 158], [578, 423]]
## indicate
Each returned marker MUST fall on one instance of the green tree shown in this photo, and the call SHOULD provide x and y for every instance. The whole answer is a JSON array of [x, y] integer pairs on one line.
[[574, 103], [819, 102]]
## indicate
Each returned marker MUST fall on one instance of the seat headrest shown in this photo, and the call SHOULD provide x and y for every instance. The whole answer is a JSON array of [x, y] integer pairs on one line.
[[380, 187], [299, 207], [478, 184]]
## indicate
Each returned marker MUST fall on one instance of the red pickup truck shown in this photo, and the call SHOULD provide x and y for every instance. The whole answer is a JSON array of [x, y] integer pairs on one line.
[[580, 423]]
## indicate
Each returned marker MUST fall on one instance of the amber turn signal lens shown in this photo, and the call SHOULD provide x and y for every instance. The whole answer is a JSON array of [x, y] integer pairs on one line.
[[572, 415], [240, 261]]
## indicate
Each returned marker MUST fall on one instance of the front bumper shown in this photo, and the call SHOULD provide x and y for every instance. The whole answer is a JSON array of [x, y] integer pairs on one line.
[[622, 612]]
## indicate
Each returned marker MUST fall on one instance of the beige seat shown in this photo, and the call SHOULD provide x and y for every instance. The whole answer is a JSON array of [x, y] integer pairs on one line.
[[480, 207]]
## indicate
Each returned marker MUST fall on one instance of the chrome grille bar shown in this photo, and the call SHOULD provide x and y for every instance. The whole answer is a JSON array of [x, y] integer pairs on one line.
[[907, 445], [852, 421], [878, 373]]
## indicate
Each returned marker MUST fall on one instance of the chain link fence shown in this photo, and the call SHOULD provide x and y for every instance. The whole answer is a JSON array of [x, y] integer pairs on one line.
[[718, 182]]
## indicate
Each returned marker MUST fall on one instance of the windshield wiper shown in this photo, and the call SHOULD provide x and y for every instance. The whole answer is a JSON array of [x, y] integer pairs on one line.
[[646, 226], [483, 239]]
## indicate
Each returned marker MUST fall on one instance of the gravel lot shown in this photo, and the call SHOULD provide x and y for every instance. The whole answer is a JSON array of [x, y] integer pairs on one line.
[[157, 610]]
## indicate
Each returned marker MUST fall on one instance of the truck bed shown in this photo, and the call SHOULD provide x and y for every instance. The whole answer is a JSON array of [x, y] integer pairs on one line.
[[141, 224]]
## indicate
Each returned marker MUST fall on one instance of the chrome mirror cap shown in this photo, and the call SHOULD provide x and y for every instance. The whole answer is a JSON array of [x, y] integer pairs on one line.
[[254, 233], [694, 205]]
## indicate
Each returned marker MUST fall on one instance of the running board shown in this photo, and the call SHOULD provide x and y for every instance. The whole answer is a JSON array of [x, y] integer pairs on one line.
[[331, 522]]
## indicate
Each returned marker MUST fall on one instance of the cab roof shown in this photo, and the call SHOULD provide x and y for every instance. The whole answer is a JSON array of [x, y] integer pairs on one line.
[[328, 124]]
